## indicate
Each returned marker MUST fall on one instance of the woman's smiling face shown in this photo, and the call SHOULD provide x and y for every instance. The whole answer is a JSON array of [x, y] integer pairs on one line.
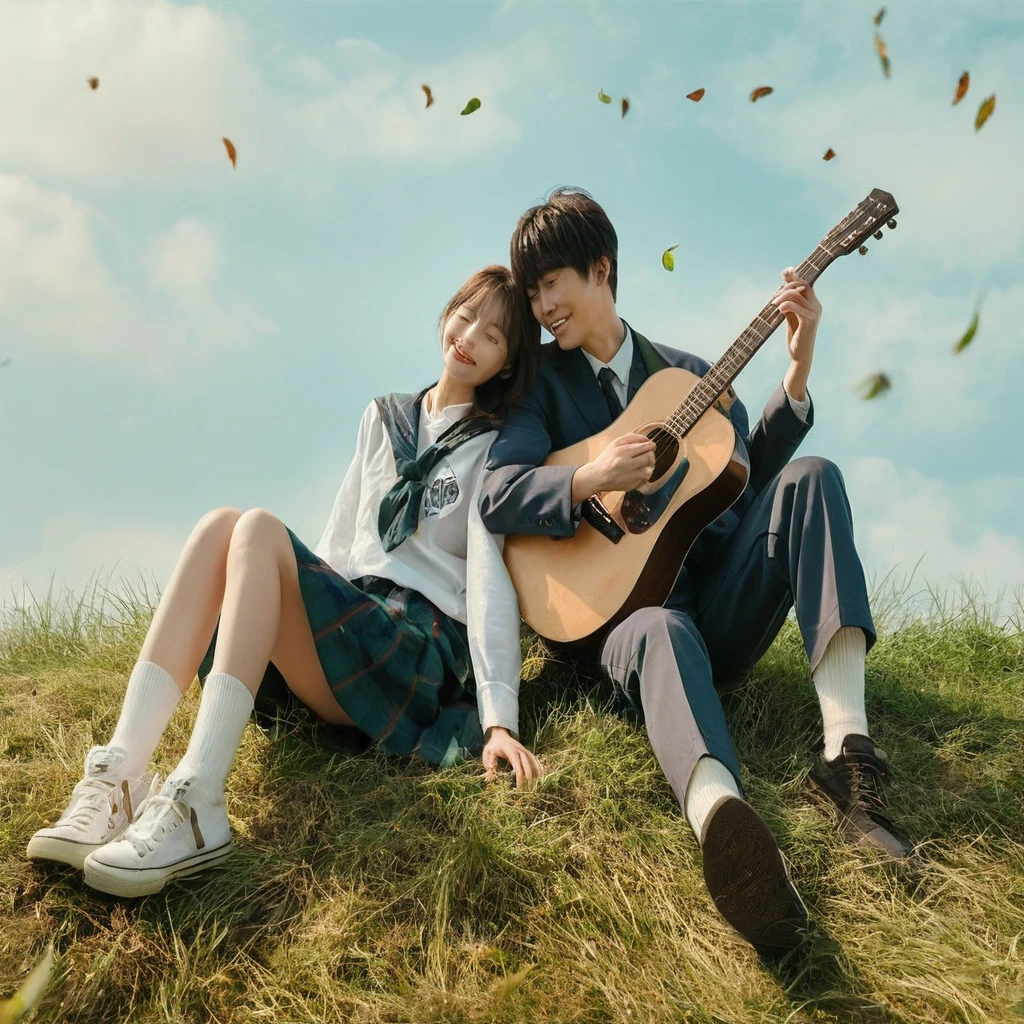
[[473, 345]]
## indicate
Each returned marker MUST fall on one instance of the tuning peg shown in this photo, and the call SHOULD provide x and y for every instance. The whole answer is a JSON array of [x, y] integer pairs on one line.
[[863, 250], [878, 234], [891, 223]]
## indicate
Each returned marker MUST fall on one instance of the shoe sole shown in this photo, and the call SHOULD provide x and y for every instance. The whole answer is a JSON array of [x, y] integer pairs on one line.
[[61, 851], [747, 879], [145, 881]]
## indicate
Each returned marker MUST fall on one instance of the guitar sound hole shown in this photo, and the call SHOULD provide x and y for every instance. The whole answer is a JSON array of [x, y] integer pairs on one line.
[[665, 453]]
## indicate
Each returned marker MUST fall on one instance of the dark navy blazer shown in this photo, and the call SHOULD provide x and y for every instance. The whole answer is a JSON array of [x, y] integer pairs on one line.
[[565, 406]]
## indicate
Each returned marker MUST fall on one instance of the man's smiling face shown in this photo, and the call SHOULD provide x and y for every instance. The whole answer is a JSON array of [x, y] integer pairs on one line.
[[565, 303]]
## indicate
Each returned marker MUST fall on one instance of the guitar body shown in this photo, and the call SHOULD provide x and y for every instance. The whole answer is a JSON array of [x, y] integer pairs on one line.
[[573, 589]]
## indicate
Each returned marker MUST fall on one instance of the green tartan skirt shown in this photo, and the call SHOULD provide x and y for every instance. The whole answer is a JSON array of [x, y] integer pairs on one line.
[[396, 664]]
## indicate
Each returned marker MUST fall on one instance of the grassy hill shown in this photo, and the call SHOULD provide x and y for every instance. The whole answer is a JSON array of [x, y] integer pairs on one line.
[[371, 889]]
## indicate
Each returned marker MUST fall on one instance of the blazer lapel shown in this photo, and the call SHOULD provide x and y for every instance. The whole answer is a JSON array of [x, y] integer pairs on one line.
[[580, 382], [637, 369]]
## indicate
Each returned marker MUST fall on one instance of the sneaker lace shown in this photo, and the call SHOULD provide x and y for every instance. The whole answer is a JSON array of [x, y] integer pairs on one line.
[[157, 816], [91, 796], [867, 778]]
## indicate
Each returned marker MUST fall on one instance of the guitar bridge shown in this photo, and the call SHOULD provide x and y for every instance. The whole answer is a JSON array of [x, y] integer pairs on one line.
[[601, 520]]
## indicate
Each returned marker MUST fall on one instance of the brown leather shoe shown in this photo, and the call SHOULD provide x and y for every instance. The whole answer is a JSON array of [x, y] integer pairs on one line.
[[853, 783], [747, 878]]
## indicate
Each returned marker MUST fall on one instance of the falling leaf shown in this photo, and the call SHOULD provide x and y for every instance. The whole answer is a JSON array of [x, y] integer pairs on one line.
[[876, 385], [668, 261], [879, 16], [697, 95], [5, 363], [429, 94], [883, 53], [761, 90], [30, 992], [625, 106], [985, 111], [94, 83], [829, 153], [961, 88], [603, 96], [230, 147], [473, 104], [968, 335]]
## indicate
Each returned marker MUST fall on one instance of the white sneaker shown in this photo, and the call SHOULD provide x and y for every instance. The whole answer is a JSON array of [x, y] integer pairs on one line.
[[174, 834], [101, 808]]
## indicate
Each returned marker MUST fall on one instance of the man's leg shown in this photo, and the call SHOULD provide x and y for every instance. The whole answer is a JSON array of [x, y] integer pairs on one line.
[[795, 548], [658, 660]]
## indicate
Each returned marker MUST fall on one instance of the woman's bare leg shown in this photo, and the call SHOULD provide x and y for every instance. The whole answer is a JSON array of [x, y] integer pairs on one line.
[[182, 627], [263, 617]]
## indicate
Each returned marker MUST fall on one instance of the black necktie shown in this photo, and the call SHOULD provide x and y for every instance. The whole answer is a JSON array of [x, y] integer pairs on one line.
[[605, 376]]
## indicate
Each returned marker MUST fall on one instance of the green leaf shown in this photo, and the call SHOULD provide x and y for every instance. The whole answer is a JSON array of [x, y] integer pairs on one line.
[[473, 104], [603, 96], [668, 261], [875, 385], [968, 336], [31, 991]]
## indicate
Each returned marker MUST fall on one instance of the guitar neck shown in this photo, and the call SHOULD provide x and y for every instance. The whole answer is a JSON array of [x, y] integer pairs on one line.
[[741, 351]]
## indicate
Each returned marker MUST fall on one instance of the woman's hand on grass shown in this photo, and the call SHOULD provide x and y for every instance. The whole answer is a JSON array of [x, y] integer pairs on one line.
[[499, 745]]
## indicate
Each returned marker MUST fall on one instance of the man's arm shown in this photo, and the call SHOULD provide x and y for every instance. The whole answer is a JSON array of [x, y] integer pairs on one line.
[[519, 494], [775, 437]]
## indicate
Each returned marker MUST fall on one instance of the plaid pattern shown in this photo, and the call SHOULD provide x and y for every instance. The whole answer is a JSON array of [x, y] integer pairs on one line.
[[397, 665]]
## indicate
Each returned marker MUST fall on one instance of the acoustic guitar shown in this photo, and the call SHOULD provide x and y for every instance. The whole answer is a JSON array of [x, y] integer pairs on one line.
[[629, 547]]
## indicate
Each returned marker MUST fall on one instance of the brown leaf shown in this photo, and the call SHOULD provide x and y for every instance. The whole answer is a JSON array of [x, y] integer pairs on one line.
[[761, 90], [985, 111], [875, 385], [961, 88], [829, 153], [879, 16], [625, 106], [697, 95], [229, 146], [883, 53], [429, 95], [94, 83]]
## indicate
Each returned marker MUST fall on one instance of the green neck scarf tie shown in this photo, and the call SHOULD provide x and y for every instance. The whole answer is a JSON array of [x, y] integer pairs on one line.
[[399, 513]]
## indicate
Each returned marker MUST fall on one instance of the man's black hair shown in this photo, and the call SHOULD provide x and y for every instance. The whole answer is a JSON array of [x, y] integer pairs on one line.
[[570, 229]]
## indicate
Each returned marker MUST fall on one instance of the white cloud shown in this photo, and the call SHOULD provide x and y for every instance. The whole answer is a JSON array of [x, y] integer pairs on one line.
[[961, 206], [75, 552], [175, 79], [58, 294], [902, 517]]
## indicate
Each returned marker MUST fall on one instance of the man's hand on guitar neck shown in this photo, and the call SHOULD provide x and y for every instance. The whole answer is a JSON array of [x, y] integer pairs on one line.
[[796, 299], [626, 463]]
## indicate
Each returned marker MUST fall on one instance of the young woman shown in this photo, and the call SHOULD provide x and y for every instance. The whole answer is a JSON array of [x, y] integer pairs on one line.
[[403, 623]]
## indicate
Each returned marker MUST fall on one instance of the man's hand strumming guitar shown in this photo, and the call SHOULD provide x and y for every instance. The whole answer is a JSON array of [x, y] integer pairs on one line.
[[626, 463]]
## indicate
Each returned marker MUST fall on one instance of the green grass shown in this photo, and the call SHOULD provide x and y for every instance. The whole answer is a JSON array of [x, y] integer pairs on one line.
[[365, 888]]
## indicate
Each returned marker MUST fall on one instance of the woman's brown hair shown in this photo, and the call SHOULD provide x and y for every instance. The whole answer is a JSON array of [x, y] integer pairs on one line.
[[522, 332]]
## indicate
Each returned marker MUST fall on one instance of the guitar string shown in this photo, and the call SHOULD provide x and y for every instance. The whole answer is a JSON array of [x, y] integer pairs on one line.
[[665, 437]]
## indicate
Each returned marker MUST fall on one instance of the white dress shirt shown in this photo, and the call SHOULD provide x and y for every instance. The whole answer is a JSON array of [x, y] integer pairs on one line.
[[452, 559]]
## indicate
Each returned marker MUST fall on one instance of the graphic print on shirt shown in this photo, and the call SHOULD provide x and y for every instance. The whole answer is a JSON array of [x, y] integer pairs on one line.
[[444, 491]]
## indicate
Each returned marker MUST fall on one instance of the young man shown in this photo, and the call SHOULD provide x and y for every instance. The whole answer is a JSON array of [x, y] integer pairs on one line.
[[788, 541]]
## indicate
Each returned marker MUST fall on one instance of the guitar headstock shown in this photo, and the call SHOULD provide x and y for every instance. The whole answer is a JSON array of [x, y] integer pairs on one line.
[[865, 219]]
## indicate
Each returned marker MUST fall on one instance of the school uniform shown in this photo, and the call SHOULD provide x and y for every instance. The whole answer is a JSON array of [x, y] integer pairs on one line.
[[414, 617], [787, 541]]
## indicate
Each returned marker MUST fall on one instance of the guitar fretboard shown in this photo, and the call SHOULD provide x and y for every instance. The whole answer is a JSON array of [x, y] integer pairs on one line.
[[739, 353]]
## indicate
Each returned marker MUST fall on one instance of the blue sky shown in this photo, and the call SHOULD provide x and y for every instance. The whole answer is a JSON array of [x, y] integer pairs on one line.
[[182, 335]]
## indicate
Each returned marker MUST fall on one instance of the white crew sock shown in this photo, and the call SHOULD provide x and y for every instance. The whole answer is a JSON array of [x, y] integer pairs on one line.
[[710, 781], [223, 712], [839, 680], [149, 701]]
